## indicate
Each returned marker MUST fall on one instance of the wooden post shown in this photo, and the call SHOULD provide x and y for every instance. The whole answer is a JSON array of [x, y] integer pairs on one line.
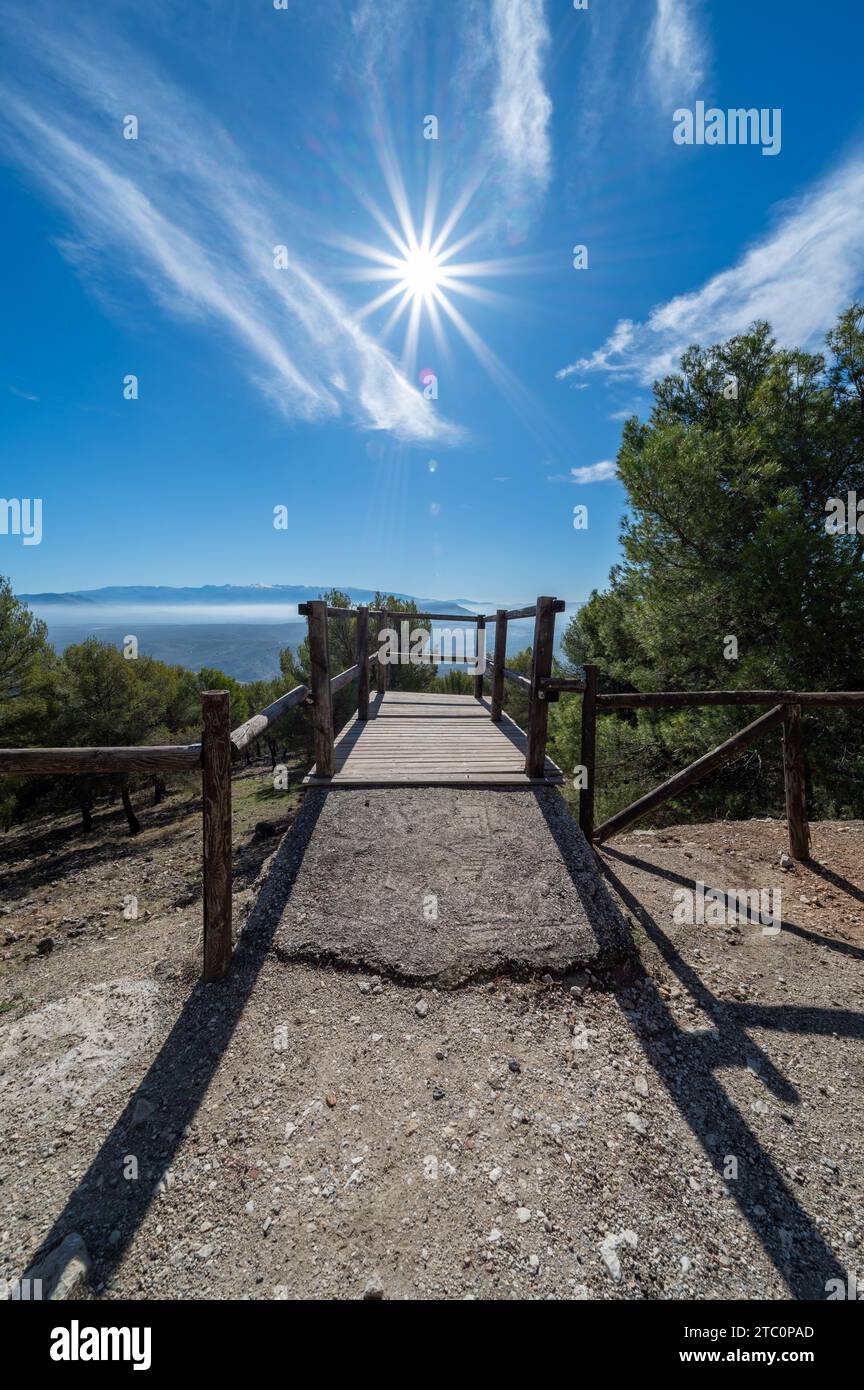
[[381, 669], [216, 787], [500, 663], [362, 655], [541, 667], [587, 756], [794, 777], [322, 705], [478, 679]]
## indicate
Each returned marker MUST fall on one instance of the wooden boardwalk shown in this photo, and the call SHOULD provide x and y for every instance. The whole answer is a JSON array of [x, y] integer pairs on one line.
[[421, 740]]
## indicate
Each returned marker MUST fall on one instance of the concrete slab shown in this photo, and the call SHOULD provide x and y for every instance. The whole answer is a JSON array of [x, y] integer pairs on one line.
[[441, 885]]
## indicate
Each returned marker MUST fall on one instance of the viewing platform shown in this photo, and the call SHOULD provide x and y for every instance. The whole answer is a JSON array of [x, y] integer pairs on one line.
[[423, 740]]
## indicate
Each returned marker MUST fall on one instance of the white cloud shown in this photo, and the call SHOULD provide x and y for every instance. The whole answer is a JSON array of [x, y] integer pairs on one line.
[[181, 211], [521, 107], [619, 341], [595, 473], [799, 277], [676, 52], [601, 472]]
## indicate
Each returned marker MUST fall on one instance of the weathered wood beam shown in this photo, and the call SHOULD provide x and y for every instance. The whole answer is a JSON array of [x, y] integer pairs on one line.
[[794, 775], [255, 727], [498, 664], [541, 668], [682, 780], [319, 671], [588, 753], [381, 681], [437, 617], [216, 787], [303, 610], [344, 678], [677, 699], [478, 679], [558, 607], [363, 663], [160, 758], [564, 683]]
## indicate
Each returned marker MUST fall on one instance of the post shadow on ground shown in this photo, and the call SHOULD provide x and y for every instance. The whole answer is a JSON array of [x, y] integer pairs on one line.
[[685, 1063], [786, 1232], [106, 1208], [836, 880], [843, 948]]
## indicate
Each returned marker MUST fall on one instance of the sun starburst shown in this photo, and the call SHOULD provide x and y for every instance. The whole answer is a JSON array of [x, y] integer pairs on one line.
[[419, 272]]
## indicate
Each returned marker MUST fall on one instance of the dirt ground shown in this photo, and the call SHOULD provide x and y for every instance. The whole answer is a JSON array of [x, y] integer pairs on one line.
[[685, 1126]]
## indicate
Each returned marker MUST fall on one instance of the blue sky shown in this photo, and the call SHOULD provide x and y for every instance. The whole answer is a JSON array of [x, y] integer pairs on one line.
[[303, 127]]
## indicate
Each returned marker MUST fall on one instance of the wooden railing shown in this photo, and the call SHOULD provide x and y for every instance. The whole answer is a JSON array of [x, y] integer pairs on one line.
[[213, 756], [785, 713], [537, 687], [220, 746]]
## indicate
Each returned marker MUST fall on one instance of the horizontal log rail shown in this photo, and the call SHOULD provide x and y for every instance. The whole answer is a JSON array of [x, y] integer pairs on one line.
[[560, 684], [558, 606], [246, 733], [433, 617], [303, 610], [344, 678], [162, 757], [682, 780], [516, 677], [683, 699]]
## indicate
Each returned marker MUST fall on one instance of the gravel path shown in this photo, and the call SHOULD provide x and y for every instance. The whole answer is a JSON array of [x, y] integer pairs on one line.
[[689, 1126], [439, 886]]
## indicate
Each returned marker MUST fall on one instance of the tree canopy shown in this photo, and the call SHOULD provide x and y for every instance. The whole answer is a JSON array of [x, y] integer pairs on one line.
[[730, 577]]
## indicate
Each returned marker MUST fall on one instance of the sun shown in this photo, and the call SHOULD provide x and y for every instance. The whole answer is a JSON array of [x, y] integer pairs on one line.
[[421, 271], [421, 274]]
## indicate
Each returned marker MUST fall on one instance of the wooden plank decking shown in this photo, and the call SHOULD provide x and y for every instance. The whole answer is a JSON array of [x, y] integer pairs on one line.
[[424, 740]]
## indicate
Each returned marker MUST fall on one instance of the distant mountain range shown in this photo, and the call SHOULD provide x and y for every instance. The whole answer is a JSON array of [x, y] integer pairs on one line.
[[237, 628], [130, 595]]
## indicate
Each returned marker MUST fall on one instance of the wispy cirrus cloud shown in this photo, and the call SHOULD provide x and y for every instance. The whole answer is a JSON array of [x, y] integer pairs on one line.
[[521, 107], [380, 27], [500, 49], [800, 276], [183, 212], [676, 50]]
